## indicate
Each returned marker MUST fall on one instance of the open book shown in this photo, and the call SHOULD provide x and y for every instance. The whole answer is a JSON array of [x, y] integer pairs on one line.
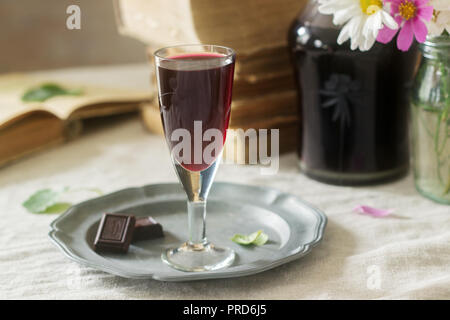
[[26, 127]]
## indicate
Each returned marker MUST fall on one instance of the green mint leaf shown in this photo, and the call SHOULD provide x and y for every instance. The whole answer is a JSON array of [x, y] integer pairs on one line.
[[57, 207], [41, 200], [47, 91], [257, 238], [47, 200], [246, 239], [261, 239]]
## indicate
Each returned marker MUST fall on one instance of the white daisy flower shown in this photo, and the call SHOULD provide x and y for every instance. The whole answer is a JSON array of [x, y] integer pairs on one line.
[[363, 20], [441, 17]]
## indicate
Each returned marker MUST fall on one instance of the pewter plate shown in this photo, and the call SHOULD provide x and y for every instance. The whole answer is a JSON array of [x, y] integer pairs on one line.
[[293, 226]]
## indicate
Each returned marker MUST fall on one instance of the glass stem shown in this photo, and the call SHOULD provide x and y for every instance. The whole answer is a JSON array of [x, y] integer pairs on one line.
[[197, 222]]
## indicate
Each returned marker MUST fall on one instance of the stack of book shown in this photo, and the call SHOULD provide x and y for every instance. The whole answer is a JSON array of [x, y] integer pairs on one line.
[[264, 95]]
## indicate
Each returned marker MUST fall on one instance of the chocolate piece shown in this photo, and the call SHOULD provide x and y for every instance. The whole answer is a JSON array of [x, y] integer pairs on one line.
[[146, 228], [114, 233]]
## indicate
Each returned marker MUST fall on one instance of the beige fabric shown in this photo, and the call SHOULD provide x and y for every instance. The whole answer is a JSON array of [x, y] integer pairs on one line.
[[406, 255], [410, 249]]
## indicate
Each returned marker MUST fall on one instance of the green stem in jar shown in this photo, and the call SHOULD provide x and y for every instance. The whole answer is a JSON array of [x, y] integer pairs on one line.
[[422, 120]]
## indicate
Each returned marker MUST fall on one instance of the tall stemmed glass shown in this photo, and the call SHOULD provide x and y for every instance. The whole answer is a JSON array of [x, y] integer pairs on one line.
[[195, 85]]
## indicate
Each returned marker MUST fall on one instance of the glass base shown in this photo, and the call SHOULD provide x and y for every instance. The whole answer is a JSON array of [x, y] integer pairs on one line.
[[199, 257], [354, 179], [432, 196]]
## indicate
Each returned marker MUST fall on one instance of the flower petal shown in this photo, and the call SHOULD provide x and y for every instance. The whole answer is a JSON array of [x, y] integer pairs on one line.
[[342, 16], [386, 35], [420, 30], [425, 13], [421, 3], [344, 35], [394, 7], [389, 21], [375, 212], [372, 25], [369, 42], [434, 29], [405, 37]]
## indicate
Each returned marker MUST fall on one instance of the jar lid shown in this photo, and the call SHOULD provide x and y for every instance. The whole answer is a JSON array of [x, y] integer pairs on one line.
[[437, 41], [436, 46]]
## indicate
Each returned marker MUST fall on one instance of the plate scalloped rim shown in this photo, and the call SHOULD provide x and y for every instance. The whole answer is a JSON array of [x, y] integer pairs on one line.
[[218, 274]]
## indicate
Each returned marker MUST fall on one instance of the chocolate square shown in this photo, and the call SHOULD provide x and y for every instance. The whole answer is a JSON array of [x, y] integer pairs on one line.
[[146, 228], [114, 233]]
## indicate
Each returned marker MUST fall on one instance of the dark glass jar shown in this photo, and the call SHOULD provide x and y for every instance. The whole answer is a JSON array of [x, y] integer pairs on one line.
[[353, 105]]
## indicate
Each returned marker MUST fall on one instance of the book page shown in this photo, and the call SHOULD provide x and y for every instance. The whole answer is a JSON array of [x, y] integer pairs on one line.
[[98, 86]]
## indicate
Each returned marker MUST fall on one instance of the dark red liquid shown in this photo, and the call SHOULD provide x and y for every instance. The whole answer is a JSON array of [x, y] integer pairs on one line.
[[196, 91]]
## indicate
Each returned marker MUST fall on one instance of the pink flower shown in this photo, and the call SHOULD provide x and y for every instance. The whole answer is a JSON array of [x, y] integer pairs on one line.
[[410, 15]]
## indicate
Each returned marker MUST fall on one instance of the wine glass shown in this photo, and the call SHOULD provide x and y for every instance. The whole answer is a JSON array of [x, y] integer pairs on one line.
[[195, 87]]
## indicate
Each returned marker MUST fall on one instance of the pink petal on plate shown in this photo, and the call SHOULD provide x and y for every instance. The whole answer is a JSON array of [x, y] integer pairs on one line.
[[373, 211]]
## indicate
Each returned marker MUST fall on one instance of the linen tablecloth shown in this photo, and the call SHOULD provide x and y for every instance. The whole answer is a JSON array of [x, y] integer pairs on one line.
[[405, 255]]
